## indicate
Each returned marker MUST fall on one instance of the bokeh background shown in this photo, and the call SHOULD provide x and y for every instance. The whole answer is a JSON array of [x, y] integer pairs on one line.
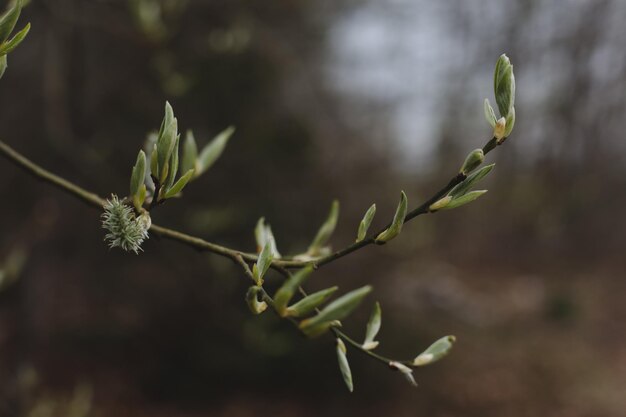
[[353, 100]]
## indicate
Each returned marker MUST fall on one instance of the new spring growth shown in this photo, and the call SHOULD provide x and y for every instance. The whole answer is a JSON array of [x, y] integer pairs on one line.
[[126, 231], [7, 24], [436, 351], [504, 90], [344, 366], [472, 161]]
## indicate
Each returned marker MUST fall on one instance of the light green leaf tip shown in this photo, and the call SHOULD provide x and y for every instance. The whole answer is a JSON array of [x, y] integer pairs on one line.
[[310, 303], [285, 293], [398, 220], [470, 181], [366, 222], [263, 264], [338, 309], [190, 153], [8, 46], [211, 152], [373, 327], [326, 230], [8, 20], [436, 351], [179, 185], [138, 174], [344, 366]]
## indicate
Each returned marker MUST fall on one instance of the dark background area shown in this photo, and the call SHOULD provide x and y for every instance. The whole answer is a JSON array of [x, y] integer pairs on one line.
[[344, 99]]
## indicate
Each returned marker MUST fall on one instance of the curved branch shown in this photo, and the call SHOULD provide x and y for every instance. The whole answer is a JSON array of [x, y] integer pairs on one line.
[[94, 200]]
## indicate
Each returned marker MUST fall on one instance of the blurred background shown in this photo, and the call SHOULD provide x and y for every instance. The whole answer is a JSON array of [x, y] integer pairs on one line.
[[344, 99]]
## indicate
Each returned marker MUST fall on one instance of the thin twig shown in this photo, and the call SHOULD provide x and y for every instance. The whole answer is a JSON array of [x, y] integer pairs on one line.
[[280, 265]]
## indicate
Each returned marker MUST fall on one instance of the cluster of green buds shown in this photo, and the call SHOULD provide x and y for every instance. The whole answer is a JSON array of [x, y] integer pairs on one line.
[[7, 24], [504, 90], [163, 178]]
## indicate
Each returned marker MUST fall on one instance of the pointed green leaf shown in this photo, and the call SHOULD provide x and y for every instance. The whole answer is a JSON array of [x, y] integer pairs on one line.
[[179, 185], [439, 204], [464, 199], [504, 85], [252, 298], [310, 303], [490, 115], [173, 166], [190, 153], [263, 235], [165, 147], [286, 292], [263, 263], [470, 181], [366, 222], [8, 20], [138, 174], [344, 366], [167, 118], [339, 308], [436, 351], [10, 45], [373, 326], [472, 161], [398, 220], [326, 230], [211, 152]]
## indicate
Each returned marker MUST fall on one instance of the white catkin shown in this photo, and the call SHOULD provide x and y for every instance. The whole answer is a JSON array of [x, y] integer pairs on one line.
[[126, 231]]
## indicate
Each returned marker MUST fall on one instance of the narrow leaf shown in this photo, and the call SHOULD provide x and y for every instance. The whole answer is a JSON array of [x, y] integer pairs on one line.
[[167, 118], [470, 181], [464, 199], [173, 166], [366, 222], [490, 115], [310, 303], [472, 161], [10, 45], [439, 204], [398, 220], [339, 308], [344, 366], [138, 174], [436, 351], [286, 292], [8, 20], [165, 146], [326, 230], [211, 152], [252, 298], [263, 263], [190, 153], [263, 235], [179, 185], [373, 326]]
